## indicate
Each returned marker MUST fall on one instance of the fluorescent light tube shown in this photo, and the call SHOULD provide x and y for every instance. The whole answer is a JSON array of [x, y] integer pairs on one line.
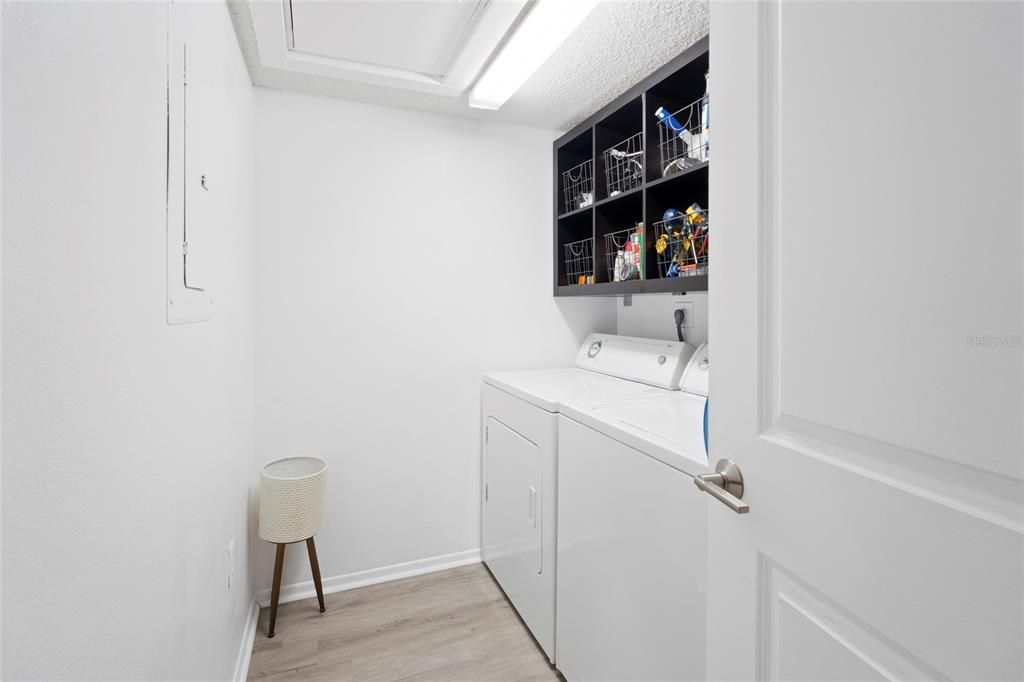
[[546, 27]]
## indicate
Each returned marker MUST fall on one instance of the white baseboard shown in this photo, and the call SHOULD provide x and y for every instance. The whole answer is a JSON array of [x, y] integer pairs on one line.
[[350, 581], [248, 637]]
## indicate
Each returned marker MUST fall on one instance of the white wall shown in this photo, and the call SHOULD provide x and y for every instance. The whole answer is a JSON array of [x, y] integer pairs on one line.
[[1, 353], [127, 443], [652, 316], [399, 255]]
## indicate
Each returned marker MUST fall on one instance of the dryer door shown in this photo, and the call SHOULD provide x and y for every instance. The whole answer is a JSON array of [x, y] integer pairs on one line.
[[514, 495]]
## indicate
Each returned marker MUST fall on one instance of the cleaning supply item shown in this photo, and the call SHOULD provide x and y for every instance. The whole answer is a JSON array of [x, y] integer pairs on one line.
[[639, 250], [669, 121], [690, 139]]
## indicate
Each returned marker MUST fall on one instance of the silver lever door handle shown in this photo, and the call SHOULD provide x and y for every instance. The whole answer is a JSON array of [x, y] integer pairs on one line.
[[725, 485]]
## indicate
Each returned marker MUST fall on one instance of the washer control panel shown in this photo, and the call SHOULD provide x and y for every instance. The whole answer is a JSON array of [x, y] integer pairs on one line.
[[648, 361]]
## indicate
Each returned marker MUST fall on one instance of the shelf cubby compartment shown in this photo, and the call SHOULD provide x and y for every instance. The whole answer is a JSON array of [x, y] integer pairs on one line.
[[683, 245], [575, 159], [578, 187], [575, 248], [579, 262], [625, 254], [619, 149], [623, 165], [674, 93], [611, 220], [678, 192], [683, 138]]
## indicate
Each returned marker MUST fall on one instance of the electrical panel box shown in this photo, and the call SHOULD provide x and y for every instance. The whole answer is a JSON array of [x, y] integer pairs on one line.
[[192, 203]]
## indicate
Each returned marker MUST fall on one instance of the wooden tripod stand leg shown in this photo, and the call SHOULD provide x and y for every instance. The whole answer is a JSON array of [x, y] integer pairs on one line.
[[315, 565], [275, 592]]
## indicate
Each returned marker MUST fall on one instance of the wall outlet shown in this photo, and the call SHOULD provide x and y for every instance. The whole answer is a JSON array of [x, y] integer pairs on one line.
[[688, 307], [231, 563]]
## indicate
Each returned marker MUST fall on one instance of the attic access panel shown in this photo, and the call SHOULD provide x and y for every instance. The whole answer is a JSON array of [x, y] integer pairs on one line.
[[428, 46], [422, 37]]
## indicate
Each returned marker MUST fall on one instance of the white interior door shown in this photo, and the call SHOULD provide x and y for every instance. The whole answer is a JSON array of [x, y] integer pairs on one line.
[[867, 323]]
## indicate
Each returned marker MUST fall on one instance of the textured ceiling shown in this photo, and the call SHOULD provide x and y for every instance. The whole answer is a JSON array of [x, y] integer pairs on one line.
[[617, 45]]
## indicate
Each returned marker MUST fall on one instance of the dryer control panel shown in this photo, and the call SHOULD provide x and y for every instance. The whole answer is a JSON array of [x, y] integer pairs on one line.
[[648, 361]]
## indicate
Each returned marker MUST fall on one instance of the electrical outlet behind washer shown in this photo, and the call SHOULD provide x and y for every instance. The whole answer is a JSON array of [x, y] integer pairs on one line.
[[688, 307]]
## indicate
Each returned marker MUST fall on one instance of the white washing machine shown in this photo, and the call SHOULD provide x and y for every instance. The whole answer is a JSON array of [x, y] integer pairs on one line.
[[632, 535], [520, 458]]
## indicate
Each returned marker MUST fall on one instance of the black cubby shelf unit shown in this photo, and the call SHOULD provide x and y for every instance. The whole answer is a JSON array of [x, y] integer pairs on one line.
[[626, 185]]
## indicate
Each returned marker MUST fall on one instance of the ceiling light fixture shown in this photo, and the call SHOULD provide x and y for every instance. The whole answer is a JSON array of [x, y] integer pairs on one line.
[[546, 27]]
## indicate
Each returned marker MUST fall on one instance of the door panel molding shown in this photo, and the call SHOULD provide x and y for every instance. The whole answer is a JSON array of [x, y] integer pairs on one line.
[[983, 493], [783, 594], [980, 493], [768, 246]]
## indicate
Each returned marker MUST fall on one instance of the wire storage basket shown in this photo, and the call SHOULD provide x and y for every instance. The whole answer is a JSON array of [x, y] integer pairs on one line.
[[625, 255], [684, 136], [578, 186], [624, 165], [682, 243], [579, 262]]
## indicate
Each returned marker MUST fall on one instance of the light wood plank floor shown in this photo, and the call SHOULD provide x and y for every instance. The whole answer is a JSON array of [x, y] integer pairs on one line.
[[451, 625]]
